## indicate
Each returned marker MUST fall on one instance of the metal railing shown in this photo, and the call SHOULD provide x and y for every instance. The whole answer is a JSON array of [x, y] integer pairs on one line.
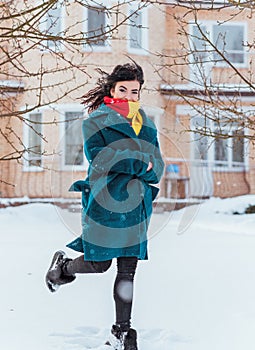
[[182, 179], [203, 179]]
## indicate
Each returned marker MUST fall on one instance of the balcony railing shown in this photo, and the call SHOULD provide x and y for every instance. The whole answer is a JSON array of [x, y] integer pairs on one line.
[[202, 179]]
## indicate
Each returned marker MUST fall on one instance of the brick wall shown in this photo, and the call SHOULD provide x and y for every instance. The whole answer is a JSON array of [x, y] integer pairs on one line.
[[51, 180], [175, 140]]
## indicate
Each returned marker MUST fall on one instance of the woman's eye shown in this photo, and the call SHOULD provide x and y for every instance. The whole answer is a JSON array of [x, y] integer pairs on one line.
[[122, 90]]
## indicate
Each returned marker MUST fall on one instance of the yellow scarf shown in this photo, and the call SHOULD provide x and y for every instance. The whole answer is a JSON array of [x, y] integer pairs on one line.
[[134, 114], [127, 109]]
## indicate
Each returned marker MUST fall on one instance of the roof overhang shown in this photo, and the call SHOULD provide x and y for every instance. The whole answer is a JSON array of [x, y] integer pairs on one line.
[[216, 90], [207, 4], [11, 87]]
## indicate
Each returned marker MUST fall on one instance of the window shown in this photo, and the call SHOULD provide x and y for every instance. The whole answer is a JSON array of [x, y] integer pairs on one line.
[[228, 38], [199, 45], [33, 141], [201, 146], [227, 150], [221, 149], [53, 26], [137, 31], [96, 26], [73, 145], [200, 141], [238, 148]]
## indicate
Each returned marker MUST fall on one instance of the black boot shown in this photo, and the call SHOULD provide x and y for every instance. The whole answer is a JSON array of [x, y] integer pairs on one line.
[[122, 340], [130, 340], [57, 274]]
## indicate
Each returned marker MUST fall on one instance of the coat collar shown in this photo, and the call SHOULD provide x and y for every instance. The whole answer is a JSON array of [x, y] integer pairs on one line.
[[117, 122]]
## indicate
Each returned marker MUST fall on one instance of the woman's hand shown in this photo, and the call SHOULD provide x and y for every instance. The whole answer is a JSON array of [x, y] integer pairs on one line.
[[150, 166]]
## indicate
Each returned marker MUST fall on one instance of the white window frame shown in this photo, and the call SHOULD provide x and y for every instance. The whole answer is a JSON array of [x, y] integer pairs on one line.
[[91, 47], [26, 132], [144, 30], [58, 47], [154, 113], [229, 164], [226, 166], [209, 28], [72, 108]]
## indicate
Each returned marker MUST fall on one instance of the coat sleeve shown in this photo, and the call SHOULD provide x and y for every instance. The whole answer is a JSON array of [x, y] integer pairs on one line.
[[105, 158], [154, 175]]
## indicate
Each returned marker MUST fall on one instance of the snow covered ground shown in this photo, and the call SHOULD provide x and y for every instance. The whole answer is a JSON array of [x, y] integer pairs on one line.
[[197, 291]]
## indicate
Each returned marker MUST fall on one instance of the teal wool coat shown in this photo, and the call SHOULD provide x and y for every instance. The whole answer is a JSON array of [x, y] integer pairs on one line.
[[118, 192]]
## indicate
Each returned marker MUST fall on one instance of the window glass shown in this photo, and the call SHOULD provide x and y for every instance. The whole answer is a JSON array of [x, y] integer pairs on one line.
[[201, 149], [34, 140], [73, 138], [221, 149], [53, 21], [96, 26], [201, 142], [200, 51], [53, 24], [229, 40], [135, 31], [238, 146], [227, 146]]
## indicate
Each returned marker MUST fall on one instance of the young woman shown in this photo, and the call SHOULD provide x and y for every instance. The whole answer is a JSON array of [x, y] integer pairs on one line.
[[120, 143]]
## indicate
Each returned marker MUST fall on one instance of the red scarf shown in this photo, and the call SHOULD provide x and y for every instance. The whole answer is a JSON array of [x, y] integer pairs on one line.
[[127, 109]]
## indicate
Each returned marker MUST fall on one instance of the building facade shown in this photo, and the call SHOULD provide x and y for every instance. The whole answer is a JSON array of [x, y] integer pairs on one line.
[[210, 98], [196, 165]]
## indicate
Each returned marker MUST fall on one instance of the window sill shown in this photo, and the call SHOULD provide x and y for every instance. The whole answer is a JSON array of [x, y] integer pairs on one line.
[[231, 169], [141, 52], [68, 168], [51, 49], [97, 49], [32, 169]]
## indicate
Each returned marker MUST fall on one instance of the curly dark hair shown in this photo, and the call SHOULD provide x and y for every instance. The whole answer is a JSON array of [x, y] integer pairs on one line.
[[126, 72]]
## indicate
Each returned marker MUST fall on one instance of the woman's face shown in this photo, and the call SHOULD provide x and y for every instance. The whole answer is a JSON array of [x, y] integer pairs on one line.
[[126, 90]]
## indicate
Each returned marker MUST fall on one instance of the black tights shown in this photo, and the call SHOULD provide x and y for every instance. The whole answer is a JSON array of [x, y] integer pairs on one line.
[[123, 286]]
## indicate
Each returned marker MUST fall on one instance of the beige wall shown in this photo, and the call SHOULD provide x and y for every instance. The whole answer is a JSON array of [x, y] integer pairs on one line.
[[177, 72], [52, 180], [177, 42], [163, 37]]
